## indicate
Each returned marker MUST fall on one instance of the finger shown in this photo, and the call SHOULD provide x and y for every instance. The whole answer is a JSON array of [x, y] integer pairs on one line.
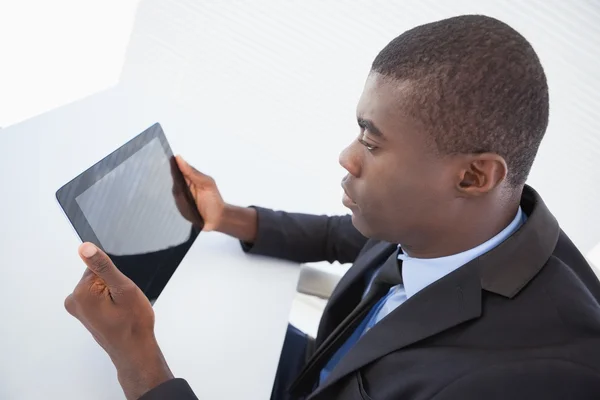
[[175, 174], [188, 171], [101, 265]]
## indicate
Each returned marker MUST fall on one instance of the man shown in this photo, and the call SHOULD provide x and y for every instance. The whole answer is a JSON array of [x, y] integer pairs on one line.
[[463, 285]]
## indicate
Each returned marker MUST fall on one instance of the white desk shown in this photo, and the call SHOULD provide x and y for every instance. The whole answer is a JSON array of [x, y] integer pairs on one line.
[[223, 315]]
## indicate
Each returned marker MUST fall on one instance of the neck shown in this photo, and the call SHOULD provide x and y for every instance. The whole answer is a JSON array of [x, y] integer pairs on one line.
[[482, 224]]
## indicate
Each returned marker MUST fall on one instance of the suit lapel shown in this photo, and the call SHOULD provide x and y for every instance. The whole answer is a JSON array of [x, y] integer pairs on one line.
[[350, 288], [442, 305], [342, 302]]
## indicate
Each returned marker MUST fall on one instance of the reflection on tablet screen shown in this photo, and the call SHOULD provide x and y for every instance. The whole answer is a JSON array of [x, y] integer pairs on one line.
[[131, 209]]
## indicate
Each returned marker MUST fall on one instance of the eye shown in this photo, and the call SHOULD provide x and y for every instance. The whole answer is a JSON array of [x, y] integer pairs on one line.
[[369, 147], [361, 137]]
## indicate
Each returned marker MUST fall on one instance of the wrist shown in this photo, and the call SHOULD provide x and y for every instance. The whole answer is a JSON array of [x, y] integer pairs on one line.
[[142, 369], [239, 222], [227, 215]]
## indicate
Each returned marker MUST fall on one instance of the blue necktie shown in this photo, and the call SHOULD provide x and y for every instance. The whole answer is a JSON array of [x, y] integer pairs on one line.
[[349, 331]]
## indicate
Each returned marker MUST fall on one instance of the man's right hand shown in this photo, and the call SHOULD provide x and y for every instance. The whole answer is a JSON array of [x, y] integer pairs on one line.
[[206, 195]]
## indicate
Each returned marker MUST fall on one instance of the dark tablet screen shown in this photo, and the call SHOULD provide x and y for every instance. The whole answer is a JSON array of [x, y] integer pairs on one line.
[[135, 205]]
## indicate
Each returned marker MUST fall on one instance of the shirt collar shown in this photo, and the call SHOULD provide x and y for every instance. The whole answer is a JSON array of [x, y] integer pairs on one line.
[[418, 273]]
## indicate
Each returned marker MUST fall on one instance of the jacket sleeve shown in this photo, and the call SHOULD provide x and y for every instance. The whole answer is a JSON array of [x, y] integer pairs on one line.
[[305, 237], [174, 389], [548, 379]]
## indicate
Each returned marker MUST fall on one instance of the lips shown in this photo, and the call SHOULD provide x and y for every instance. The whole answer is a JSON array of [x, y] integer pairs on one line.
[[347, 199]]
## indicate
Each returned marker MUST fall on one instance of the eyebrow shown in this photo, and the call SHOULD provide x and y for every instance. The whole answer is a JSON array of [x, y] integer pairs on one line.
[[370, 126]]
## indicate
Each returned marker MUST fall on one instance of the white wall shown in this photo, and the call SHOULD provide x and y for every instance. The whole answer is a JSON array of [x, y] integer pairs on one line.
[[55, 52], [289, 74]]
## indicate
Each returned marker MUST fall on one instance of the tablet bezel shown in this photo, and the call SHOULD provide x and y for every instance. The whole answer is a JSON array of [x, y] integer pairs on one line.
[[68, 193]]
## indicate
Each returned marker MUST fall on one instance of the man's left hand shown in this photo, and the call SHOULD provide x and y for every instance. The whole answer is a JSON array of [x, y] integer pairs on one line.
[[121, 319]]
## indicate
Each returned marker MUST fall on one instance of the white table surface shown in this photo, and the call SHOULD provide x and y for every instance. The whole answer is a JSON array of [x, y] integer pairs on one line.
[[222, 317]]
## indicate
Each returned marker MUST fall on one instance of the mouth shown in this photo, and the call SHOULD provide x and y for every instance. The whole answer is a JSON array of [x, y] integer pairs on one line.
[[347, 200]]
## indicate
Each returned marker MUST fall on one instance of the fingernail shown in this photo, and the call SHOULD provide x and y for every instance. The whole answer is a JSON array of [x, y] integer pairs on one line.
[[88, 250]]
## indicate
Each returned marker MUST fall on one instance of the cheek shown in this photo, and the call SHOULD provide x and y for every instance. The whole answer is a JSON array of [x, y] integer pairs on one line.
[[381, 192], [403, 192]]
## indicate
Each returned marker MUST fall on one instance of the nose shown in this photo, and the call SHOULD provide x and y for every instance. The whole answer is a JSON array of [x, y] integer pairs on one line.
[[349, 160]]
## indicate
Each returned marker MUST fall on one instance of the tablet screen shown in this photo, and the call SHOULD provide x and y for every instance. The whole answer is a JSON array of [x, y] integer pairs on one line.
[[131, 209], [132, 205]]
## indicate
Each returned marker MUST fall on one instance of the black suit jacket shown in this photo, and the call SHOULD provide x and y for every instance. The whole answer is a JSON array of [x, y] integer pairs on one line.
[[520, 322]]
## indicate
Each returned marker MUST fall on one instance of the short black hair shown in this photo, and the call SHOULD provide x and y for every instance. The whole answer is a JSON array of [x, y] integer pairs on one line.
[[477, 86]]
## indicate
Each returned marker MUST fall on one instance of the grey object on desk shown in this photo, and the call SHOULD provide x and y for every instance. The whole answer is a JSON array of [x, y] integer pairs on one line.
[[316, 282]]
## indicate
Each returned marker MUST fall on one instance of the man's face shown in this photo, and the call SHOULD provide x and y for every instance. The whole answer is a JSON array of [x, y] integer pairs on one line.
[[397, 187]]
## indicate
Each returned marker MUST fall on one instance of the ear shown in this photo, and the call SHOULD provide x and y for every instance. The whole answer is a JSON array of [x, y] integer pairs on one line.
[[481, 173]]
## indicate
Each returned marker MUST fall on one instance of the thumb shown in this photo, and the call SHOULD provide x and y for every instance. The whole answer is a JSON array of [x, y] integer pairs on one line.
[[101, 265]]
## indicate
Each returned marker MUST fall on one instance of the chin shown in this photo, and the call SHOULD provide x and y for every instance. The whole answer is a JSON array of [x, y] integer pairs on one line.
[[369, 229], [361, 225]]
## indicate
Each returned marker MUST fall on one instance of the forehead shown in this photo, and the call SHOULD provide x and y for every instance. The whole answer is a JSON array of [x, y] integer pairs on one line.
[[382, 92], [384, 102]]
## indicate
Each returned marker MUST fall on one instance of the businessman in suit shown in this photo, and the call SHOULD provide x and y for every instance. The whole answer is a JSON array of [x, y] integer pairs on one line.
[[463, 285]]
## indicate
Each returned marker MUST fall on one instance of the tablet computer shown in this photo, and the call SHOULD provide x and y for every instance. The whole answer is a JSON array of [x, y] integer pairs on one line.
[[136, 206]]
